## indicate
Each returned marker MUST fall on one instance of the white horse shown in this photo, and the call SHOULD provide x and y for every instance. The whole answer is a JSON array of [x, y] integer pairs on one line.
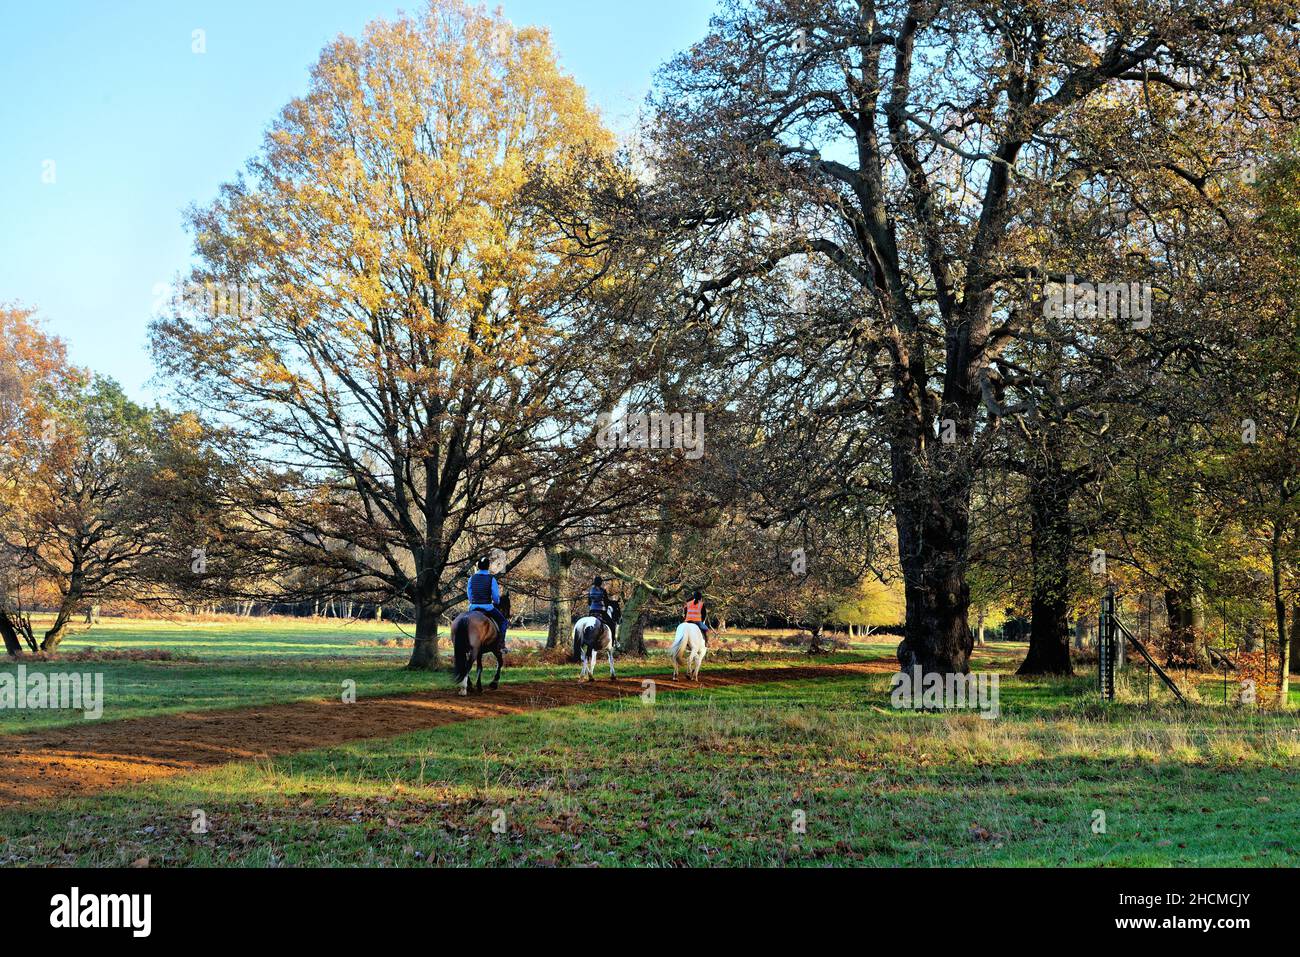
[[688, 648], [592, 636]]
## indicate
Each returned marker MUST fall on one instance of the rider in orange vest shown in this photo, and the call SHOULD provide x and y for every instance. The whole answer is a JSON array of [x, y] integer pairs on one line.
[[697, 612]]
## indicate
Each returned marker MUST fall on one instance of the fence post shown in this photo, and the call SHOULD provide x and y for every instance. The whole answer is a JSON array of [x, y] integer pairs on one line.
[[1106, 647]]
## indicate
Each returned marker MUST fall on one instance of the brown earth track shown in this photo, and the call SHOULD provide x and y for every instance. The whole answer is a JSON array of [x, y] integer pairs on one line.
[[88, 758]]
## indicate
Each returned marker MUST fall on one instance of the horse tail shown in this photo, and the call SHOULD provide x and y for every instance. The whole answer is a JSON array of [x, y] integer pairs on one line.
[[460, 648], [676, 646]]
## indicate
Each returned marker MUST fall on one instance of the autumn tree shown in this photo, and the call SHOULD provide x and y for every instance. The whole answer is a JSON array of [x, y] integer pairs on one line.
[[415, 371], [1271, 466], [87, 525], [35, 377], [898, 143], [1244, 471], [1178, 506]]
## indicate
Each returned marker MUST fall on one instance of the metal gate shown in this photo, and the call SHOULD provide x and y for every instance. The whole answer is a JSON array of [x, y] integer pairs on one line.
[[1111, 638]]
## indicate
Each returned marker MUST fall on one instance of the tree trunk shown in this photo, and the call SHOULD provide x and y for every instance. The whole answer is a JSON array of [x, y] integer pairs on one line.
[[1180, 614], [424, 655], [815, 646], [71, 599], [1294, 653], [1250, 642], [1279, 608], [933, 545], [556, 565], [10, 630], [932, 489], [1050, 546], [979, 628], [636, 638], [60, 627], [631, 628]]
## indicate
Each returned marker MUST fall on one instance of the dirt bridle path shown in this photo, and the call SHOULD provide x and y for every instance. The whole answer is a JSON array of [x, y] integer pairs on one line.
[[88, 758]]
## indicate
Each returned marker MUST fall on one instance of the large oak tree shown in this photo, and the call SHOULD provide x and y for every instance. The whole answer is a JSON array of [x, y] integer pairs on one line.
[[906, 143], [415, 367]]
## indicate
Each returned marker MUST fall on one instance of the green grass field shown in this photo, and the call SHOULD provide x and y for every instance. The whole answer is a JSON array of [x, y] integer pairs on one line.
[[252, 638], [229, 665], [809, 772], [271, 660]]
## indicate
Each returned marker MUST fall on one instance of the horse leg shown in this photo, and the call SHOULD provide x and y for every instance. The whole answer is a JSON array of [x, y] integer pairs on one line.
[[496, 677], [479, 689], [591, 671], [610, 651]]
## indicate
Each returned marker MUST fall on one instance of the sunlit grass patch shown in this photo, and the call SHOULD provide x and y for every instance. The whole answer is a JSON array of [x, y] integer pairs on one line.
[[797, 772]]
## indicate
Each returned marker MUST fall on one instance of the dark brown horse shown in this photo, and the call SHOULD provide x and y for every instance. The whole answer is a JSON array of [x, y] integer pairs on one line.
[[472, 635]]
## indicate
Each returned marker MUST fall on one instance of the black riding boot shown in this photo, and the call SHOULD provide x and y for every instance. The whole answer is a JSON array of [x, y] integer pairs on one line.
[[502, 627]]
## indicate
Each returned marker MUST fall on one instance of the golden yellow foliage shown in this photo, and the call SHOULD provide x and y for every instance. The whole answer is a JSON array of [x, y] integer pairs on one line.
[[392, 187]]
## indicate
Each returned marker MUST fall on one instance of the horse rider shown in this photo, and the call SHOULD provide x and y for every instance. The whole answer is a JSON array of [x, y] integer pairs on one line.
[[697, 612], [598, 604], [485, 595]]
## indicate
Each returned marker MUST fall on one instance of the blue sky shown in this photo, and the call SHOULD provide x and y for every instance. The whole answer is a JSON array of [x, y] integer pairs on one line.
[[138, 126]]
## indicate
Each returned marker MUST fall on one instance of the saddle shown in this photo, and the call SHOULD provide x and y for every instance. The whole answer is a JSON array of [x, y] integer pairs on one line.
[[496, 625]]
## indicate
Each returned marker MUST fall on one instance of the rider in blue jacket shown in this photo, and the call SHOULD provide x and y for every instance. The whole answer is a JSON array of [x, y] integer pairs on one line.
[[485, 595], [598, 603]]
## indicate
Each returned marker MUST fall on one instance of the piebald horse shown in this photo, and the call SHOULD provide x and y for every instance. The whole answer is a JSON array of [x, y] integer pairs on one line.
[[590, 636], [688, 648], [473, 634]]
